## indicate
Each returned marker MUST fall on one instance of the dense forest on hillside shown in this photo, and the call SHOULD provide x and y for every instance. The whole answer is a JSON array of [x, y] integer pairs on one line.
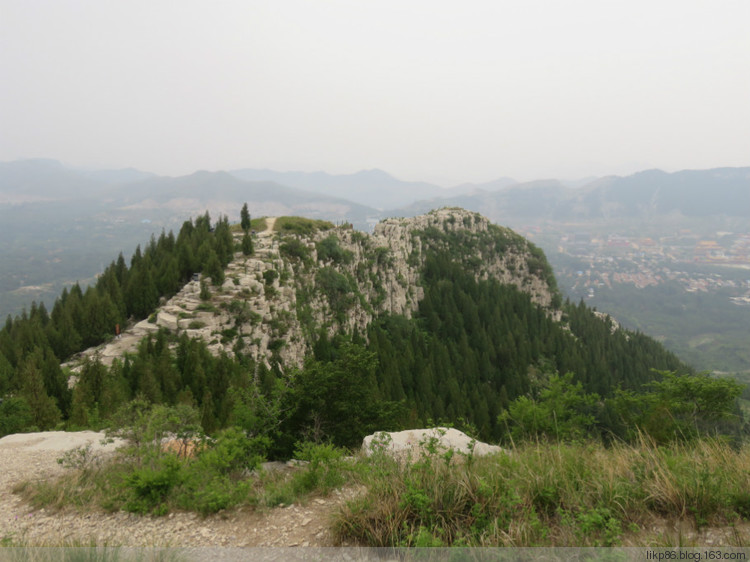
[[33, 344], [476, 346], [473, 352]]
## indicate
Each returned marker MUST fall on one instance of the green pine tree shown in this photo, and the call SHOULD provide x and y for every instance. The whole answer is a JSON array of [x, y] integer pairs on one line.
[[245, 218]]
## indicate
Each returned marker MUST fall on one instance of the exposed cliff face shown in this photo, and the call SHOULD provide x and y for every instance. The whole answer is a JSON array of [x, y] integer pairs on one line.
[[343, 279], [489, 250], [274, 304]]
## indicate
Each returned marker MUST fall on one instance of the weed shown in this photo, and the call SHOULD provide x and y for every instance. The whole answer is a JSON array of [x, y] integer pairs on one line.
[[580, 494]]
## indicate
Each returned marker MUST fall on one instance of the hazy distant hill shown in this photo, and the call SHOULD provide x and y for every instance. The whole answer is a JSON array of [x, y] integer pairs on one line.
[[221, 192], [697, 193], [118, 177], [34, 181], [374, 188], [43, 180], [691, 193], [469, 188], [543, 198]]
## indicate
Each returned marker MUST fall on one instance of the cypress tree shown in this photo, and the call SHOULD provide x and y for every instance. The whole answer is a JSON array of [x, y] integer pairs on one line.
[[245, 218], [214, 269], [247, 245]]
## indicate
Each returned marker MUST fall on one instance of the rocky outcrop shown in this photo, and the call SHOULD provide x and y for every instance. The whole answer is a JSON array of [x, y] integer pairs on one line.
[[274, 304], [492, 251]]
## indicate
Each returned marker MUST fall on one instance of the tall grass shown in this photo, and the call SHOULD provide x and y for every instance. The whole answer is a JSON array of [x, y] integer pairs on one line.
[[538, 494], [73, 551], [301, 225], [547, 494]]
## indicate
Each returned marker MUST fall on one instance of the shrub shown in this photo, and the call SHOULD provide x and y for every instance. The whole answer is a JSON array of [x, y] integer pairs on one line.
[[324, 471], [295, 249], [383, 256], [15, 415], [562, 412], [149, 486], [206, 306], [329, 249], [336, 288], [681, 408], [233, 452], [269, 275]]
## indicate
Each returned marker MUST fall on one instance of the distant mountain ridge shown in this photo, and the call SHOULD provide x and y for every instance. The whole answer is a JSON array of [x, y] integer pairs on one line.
[[691, 193], [367, 195], [43, 180], [373, 188], [222, 192], [31, 182], [720, 191]]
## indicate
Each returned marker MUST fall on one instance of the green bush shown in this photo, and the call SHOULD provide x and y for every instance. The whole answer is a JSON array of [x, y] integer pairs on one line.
[[206, 306], [329, 249], [563, 411], [269, 275], [218, 478], [15, 416], [336, 288], [681, 408], [149, 487], [383, 256], [324, 471], [295, 249], [205, 293], [233, 452]]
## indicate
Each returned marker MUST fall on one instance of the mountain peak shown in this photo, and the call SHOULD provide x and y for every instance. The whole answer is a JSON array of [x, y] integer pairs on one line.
[[374, 173]]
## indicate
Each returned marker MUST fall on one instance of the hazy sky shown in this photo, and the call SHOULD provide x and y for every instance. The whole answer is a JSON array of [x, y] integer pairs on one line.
[[445, 91]]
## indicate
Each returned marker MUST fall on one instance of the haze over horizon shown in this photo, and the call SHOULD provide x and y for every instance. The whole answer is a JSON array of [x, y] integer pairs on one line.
[[427, 91]]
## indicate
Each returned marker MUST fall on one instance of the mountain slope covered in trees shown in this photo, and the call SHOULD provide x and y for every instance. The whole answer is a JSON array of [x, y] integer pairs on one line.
[[444, 317]]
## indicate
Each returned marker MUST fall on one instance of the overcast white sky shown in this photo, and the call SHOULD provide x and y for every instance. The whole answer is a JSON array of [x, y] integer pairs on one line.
[[436, 90]]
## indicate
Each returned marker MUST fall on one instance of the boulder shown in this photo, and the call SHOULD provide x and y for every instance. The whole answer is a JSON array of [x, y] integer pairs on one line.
[[414, 441], [166, 320]]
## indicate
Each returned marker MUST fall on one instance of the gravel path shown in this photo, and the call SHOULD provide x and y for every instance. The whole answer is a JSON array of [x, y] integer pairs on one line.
[[34, 456]]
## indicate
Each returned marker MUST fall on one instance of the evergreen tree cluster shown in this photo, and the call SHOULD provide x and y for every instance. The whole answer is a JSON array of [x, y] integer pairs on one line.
[[333, 399], [189, 375], [33, 345], [476, 345], [476, 352]]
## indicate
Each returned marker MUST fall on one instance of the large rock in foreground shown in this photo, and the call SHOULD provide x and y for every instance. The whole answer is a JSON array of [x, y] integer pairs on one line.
[[414, 442]]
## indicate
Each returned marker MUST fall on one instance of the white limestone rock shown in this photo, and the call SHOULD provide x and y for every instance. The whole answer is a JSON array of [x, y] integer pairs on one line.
[[167, 320], [413, 442]]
